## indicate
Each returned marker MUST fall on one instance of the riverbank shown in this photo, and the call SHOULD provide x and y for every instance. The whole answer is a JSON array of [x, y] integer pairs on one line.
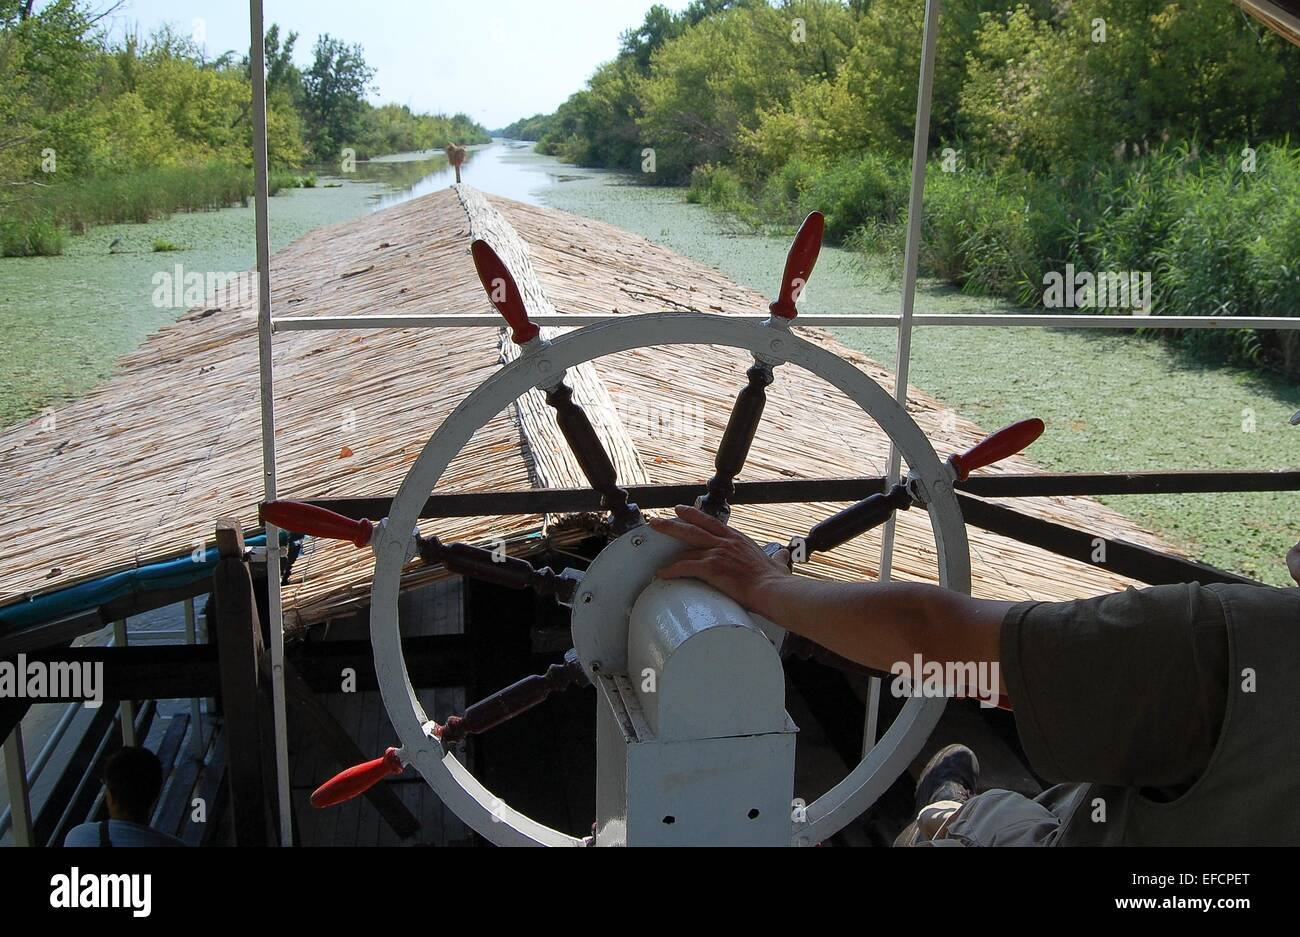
[[1112, 401]]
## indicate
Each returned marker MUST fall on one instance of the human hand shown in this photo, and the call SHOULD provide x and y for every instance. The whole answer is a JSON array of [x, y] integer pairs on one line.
[[720, 556]]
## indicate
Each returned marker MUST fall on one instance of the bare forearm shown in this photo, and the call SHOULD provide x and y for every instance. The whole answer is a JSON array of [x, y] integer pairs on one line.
[[874, 624], [878, 625]]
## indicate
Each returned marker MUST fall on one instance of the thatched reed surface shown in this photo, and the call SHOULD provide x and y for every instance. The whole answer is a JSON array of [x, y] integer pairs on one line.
[[140, 469]]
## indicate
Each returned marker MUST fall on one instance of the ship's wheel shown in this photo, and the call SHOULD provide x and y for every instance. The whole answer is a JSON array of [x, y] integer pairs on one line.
[[600, 598]]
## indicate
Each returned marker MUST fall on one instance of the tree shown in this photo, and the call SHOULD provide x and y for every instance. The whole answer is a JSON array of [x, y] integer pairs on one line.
[[334, 90], [281, 73]]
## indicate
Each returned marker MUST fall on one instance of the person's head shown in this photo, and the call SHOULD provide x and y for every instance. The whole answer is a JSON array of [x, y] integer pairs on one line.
[[133, 778], [1293, 562]]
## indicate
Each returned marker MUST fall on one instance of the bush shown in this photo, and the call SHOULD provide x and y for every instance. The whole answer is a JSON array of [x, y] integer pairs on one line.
[[36, 237], [1231, 249], [717, 187], [856, 191]]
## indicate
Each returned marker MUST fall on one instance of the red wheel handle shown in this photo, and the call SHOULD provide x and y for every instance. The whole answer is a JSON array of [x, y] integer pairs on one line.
[[357, 780], [503, 292], [1005, 442], [799, 263], [304, 518]]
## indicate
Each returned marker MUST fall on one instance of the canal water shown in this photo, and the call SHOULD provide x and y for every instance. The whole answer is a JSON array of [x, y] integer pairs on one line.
[[66, 320]]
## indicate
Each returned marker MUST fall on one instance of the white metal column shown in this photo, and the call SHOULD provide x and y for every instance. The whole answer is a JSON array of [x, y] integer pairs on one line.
[[126, 708], [20, 804], [903, 360], [258, 60]]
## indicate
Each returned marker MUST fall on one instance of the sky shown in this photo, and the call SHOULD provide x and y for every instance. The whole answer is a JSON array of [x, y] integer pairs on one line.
[[496, 60]]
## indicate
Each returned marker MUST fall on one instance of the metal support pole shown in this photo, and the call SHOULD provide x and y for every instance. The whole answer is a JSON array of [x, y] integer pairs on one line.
[[258, 60], [196, 710], [20, 804], [871, 728], [903, 360], [126, 707]]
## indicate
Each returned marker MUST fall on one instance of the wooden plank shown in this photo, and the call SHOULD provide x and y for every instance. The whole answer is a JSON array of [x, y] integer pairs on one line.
[[154, 671], [185, 671], [47, 634], [12, 712], [238, 636], [174, 804], [213, 790]]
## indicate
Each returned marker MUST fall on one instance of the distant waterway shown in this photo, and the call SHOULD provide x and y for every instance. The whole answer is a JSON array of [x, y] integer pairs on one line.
[[66, 320]]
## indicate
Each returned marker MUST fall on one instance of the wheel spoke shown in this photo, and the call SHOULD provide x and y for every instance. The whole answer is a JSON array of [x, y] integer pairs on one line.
[[747, 411], [519, 697], [871, 512], [576, 428], [592, 458], [460, 558], [736, 440], [478, 563]]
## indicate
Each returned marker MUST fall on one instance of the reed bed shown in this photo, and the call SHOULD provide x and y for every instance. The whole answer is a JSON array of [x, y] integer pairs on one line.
[[140, 469], [39, 222]]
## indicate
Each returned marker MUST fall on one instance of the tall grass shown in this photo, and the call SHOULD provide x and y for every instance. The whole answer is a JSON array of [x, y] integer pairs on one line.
[[30, 237], [40, 222]]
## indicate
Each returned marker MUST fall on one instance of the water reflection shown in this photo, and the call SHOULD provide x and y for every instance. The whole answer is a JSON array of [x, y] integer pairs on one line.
[[501, 168]]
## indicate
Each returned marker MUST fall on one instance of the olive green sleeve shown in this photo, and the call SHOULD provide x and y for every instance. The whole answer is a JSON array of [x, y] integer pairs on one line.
[[1127, 688]]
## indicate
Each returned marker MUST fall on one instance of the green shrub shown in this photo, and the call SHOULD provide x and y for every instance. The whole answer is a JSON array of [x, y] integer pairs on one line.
[[717, 187], [35, 237], [783, 197], [857, 190]]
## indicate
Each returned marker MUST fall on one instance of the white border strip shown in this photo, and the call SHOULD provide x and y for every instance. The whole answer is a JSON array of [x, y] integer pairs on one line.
[[578, 320]]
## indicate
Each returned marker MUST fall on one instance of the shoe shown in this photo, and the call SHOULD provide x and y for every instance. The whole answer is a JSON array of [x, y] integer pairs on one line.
[[951, 774]]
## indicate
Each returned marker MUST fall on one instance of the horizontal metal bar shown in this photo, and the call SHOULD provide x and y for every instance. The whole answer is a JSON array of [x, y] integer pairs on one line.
[[1029, 320], [1117, 556], [1130, 483], [574, 500]]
